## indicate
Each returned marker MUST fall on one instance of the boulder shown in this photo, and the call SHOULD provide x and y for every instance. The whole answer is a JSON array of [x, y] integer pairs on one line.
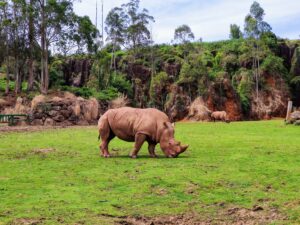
[[49, 122], [66, 113], [198, 111], [297, 123], [52, 113], [37, 122], [295, 116], [59, 118]]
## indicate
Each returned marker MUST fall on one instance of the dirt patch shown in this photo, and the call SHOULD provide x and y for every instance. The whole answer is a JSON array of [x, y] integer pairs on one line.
[[21, 129], [180, 220], [25, 221], [192, 188], [256, 215], [232, 216], [44, 151]]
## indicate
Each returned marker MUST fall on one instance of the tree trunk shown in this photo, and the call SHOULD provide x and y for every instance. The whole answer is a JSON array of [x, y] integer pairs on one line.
[[257, 76], [7, 71], [7, 55], [18, 80], [42, 60], [46, 67], [112, 62], [30, 61], [44, 53]]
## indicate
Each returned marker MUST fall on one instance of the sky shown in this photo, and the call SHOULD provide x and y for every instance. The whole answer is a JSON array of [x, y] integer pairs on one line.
[[208, 19]]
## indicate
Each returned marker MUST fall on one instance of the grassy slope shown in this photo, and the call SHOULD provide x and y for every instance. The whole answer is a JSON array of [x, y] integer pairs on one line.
[[237, 163]]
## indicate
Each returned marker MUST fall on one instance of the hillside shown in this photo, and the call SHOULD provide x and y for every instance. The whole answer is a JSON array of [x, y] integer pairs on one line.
[[250, 76], [170, 77]]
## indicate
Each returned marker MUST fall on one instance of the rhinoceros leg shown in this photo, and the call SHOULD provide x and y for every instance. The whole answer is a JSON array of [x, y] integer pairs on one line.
[[106, 135], [151, 149], [139, 141], [104, 144]]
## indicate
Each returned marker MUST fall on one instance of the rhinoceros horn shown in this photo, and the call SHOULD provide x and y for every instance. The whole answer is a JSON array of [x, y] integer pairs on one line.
[[183, 148]]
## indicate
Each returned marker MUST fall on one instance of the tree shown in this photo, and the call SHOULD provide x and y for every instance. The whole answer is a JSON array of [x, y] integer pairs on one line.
[[254, 23], [183, 34], [254, 28], [115, 27], [15, 28], [31, 35], [29, 28], [5, 30], [137, 33], [83, 33], [235, 32], [54, 22]]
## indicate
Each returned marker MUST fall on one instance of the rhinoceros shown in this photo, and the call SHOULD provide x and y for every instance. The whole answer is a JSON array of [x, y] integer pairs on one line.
[[139, 125], [220, 115]]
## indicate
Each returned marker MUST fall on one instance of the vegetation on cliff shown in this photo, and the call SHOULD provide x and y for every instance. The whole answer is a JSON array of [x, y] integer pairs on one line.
[[251, 75]]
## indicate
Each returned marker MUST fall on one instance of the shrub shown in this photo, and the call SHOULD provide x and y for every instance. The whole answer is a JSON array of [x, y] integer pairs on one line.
[[157, 86], [84, 92], [56, 76], [244, 89], [107, 94], [274, 65], [122, 85]]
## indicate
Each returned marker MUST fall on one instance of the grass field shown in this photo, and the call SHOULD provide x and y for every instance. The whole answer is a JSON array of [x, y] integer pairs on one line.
[[57, 177]]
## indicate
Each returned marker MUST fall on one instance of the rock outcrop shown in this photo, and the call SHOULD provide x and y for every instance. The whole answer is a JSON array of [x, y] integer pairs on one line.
[[177, 105], [271, 101], [294, 118], [77, 71], [198, 111], [223, 97], [59, 111]]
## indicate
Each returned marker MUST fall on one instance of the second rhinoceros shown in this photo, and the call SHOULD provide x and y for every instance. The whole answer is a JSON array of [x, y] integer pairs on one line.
[[139, 125]]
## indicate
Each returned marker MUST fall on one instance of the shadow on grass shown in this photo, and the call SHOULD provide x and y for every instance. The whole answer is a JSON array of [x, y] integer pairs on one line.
[[160, 157]]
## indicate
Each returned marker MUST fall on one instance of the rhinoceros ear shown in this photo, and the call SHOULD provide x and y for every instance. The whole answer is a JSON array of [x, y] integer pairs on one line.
[[167, 124]]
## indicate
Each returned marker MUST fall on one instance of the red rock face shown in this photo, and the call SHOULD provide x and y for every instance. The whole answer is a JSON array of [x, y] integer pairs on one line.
[[222, 97], [271, 101], [233, 110]]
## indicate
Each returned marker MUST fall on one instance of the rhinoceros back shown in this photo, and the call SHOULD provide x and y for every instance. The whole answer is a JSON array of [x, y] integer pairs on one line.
[[126, 122]]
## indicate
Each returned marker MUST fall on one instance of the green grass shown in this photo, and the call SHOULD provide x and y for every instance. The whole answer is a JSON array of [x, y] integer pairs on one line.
[[238, 164]]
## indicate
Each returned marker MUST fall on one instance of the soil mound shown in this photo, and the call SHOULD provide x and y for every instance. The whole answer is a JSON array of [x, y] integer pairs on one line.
[[198, 111]]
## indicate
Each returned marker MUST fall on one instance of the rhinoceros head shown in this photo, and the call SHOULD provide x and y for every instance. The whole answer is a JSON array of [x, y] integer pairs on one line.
[[168, 144]]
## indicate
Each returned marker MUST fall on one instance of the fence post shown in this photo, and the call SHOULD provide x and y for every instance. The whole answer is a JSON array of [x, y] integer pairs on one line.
[[289, 110]]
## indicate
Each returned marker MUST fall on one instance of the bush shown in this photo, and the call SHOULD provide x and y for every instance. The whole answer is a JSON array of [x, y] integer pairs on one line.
[[107, 94], [11, 85], [274, 65], [56, 76], [82, 92], [85, 92], [119, 82], [244, 89]]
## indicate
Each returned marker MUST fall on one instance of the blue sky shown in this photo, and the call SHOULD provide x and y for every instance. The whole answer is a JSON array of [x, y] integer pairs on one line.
[[209, 20]]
